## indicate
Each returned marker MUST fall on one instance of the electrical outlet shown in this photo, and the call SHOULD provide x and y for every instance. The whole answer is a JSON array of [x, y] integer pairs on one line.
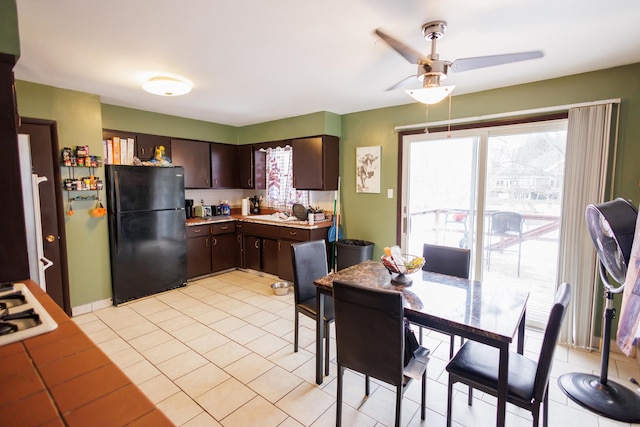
[[390, 193]]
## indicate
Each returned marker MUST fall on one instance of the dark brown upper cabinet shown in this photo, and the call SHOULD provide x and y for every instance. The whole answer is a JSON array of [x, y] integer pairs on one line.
[[316, 163], [194, 156], [146, 146], [223, 166], [245, 167]]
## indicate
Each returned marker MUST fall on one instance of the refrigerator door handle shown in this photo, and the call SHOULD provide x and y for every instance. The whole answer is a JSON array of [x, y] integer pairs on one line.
[[116, 186]]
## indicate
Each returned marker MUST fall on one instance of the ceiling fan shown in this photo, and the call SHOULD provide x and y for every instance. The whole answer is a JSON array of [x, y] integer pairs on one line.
[[431, 70]]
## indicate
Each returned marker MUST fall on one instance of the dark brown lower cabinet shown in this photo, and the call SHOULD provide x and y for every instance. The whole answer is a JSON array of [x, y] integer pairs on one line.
[[210, 248], [252, 252], [285, 266], [198, 256], [223, 238], [270, 256]]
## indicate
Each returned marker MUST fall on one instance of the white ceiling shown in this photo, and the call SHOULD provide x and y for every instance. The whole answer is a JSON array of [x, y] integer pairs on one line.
[[255, 61]]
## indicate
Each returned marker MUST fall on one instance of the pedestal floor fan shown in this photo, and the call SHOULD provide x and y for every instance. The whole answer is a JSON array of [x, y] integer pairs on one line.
[[612, 227]]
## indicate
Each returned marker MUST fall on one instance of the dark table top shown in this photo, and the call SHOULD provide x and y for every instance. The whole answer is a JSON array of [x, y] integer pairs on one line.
[[445, 303]]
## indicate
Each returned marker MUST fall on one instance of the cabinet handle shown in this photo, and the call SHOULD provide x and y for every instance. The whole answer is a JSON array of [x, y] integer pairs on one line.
[[278, 245], [207, 241], [293, 233], [257, 244], [249, 182], [197, 230], [224, 227], [239, 238], [215, 242], [142, 151]]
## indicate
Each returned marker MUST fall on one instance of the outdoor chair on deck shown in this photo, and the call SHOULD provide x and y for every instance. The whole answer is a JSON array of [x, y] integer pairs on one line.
[[507, 226], [370, 339], [309, 261], [476, 365]]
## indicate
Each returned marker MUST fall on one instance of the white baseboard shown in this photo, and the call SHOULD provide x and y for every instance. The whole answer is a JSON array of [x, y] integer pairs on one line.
[[88, 308]]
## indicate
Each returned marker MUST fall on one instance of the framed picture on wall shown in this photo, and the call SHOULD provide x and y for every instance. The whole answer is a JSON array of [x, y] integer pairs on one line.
[[368, 169]]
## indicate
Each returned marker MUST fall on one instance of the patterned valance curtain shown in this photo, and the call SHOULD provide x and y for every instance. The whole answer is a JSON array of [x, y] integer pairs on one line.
[[280, 191]]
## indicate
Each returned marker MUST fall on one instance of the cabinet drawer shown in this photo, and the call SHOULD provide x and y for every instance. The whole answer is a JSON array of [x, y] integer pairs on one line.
[[261, 230], [197, 231], [297, 234], [225, 227]]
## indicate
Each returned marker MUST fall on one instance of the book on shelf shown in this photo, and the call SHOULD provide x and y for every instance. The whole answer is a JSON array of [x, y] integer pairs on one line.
[[130, 150], [116, 150]]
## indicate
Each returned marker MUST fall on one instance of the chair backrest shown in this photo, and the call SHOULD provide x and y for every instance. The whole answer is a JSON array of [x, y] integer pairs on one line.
[[309, 261], [506, 222], [370, 330], [446, 260], [559, 309]]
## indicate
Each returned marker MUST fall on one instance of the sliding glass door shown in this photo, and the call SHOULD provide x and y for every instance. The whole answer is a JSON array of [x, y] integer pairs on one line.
[[497, 191]]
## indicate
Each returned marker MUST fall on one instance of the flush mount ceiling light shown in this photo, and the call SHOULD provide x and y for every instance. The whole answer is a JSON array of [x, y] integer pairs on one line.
[[167, 86]]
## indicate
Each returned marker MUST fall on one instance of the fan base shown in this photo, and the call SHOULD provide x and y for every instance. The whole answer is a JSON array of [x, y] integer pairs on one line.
[[434, 29], [612, 400]]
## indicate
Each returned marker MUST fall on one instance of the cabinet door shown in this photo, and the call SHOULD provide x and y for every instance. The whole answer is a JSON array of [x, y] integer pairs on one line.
[[223, 166], [222, 254], [238, 251], [146, 144], [198, 256], [285, 266], [270, 256], [194, 157], [245, 166], [316, 163], [252, 251]]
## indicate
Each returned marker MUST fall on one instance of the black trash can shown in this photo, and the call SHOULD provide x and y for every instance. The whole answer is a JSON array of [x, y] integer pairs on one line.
[[353, 251]]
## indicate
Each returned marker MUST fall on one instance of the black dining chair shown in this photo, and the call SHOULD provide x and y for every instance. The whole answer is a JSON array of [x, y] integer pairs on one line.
[[507, 226], [450, 261], [309, 260], [370, 339], [476, 365]]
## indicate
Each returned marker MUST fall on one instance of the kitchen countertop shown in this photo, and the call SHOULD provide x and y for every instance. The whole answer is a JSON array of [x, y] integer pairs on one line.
[[61, 378], [249, 218]]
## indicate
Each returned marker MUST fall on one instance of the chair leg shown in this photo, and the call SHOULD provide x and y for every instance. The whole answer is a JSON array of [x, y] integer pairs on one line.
[[423, 402], [545, 408], [420, 336], [451, 346], [449, 401], [339, 397], [295, 332], [367, 385], [398, 404], [326, 348], [519, 252]]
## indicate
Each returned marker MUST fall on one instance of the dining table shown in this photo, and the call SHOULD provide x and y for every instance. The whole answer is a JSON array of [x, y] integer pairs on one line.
[[489, 313]]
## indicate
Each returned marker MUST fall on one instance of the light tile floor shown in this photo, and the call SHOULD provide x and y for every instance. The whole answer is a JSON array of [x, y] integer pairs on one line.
[[219, 352]]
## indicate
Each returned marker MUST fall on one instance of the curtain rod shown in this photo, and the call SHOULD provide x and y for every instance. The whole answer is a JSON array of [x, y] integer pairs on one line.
[[507, 114]]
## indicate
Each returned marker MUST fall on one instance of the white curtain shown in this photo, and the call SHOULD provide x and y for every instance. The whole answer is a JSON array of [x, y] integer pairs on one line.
[[588, 136], [280, 191]]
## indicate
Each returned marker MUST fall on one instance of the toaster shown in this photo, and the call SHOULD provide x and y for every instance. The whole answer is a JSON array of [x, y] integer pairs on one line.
[[202, 211]]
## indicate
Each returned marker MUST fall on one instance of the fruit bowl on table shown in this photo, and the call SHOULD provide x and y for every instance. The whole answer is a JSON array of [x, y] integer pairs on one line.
[[407, 264]]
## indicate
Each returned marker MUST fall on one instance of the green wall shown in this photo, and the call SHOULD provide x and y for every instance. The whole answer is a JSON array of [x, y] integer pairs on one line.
[[320, 123], [79, 122], [81, 117], [373, 216], [129, 119], [9, 38]]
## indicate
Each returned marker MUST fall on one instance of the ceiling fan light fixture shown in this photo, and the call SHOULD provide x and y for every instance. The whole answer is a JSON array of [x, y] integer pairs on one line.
[[167, 86], [431, 95]]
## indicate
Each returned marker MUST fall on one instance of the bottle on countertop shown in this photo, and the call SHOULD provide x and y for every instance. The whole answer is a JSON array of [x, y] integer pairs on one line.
[[225, 208]]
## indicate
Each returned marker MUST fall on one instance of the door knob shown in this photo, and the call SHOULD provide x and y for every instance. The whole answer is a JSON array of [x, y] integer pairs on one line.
[[50, 238]]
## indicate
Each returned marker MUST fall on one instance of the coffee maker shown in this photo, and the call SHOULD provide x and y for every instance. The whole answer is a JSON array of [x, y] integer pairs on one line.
[[255, 205], [188, 208]]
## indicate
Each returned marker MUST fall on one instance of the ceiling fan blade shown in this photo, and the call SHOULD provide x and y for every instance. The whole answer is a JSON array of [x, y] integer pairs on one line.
[[404, 82], [466, 64], [409, 53]]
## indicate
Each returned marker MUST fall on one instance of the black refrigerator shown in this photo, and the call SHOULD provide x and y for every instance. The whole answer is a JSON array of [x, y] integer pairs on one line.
[[147, 234]]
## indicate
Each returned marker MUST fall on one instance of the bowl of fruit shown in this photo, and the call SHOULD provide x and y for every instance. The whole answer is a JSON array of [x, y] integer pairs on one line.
[[401, 264]]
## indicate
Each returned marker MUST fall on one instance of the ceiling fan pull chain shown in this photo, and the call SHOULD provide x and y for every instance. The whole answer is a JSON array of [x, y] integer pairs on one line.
[[426, 118]]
